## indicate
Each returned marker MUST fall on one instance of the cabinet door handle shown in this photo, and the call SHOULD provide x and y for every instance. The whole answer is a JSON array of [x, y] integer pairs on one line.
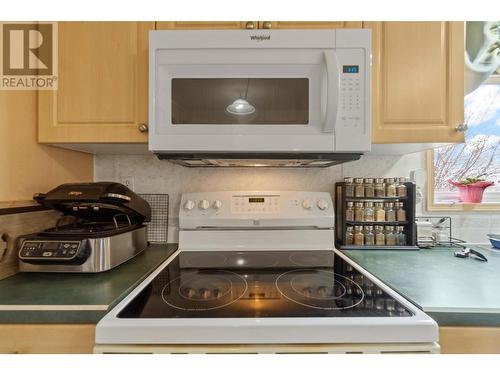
[[250, 25], [462, 128], [267, 25], [143, 128]]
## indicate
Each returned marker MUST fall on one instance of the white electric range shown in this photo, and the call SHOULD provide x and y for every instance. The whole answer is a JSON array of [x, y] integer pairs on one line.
[[257, 272]]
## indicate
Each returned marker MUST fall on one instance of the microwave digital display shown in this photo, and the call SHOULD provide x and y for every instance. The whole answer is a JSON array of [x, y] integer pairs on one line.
[[350, 68]]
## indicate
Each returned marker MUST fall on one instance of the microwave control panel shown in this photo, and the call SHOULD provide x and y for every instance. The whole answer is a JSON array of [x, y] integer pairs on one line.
[[352, 87]]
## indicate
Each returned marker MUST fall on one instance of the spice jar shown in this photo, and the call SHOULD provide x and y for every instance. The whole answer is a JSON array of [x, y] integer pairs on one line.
[[349, 236], [400, 236], [359, 188], [379, 188], [400, 211], [390, 214], [369, 236], [369, 188], [390, 187], [359, 212], [379, 211], [401, 189], [359, 237], [379, 235], [390, 236], [369, 213], [349, 211], [349, 186]]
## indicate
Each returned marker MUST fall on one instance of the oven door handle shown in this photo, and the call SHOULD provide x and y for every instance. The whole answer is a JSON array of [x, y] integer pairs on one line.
[[332, 90]]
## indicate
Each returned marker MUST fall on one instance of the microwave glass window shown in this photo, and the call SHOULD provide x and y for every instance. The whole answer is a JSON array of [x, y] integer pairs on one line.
[[259, 101]]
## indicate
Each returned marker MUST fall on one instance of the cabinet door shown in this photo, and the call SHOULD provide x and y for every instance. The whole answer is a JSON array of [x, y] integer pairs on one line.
[[417, 81], [203, 25], [312, 25], [103, 84]]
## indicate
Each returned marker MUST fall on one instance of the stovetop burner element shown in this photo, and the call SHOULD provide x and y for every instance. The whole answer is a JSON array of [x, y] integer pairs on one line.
[[319, 289], [204, 290]]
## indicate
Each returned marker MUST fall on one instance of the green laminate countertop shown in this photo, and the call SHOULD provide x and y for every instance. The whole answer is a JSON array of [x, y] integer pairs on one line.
[[453, 291], [75, 298]]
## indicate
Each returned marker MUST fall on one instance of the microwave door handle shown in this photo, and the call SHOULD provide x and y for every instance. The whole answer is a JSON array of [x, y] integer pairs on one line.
[[332, 90]]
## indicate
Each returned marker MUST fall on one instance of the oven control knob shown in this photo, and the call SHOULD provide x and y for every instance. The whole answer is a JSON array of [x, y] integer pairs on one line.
[[189, 205], [217, 204], [306, 203], [322, 204], [204, 204]]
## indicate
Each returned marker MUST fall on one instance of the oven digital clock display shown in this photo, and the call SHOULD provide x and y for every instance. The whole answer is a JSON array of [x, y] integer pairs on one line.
[[256, 200], [350, 68]]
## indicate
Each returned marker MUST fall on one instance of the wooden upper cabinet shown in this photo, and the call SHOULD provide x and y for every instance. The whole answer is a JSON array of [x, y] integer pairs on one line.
[[417, 81], [311, 25], [228, 25], [103, 84], [203, 25]]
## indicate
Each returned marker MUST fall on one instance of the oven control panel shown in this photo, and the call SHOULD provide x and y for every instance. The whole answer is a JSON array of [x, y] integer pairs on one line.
[[256, 209], [49, 250], [255, 204]]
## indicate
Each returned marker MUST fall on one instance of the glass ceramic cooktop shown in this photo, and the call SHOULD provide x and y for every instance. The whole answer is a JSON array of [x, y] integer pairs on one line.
[[253, 284]]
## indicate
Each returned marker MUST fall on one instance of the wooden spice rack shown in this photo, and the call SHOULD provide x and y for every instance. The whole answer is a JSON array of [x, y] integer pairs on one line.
[[409, 224]]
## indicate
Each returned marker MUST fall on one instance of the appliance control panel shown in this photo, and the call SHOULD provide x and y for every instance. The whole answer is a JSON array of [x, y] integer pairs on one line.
[[49, 250], [255, 204], [352, 87], [241, 209]]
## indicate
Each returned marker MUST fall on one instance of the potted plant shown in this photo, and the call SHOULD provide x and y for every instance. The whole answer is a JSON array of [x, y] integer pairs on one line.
[[471, 189]]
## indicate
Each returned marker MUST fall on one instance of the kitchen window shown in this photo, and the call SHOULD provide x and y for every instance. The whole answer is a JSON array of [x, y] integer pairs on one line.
[[477, 157]]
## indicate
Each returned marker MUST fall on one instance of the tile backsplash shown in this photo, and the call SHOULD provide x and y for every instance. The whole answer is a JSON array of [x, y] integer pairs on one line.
[[151, 175]]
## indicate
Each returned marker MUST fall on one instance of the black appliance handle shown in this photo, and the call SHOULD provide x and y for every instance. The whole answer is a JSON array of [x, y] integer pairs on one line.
[[39, 197]]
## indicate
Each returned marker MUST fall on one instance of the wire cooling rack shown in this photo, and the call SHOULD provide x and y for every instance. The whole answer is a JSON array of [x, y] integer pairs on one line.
[[158, 226]]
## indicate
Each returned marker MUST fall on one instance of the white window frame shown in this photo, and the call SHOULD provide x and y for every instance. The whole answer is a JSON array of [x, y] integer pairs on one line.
[[491, 200]]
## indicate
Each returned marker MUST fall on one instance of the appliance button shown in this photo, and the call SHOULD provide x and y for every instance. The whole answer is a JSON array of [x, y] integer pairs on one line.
[[188, 205], [217, 204], [204, 204], [47, 253], [306, 203], [66, 246], [74, 246], [322, 204]]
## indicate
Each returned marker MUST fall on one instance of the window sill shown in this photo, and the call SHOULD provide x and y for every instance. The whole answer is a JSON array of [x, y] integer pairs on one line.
[[448, 201], [463, 207]]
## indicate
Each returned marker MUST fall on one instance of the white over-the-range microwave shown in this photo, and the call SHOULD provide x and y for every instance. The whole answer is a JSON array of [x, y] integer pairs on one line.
[[298, 98]]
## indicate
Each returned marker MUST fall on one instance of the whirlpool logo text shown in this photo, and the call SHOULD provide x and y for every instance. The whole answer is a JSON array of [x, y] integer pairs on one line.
[[260, 38]]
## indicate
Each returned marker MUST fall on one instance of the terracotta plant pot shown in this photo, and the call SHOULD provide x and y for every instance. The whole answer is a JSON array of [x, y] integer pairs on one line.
[[471, 193]]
